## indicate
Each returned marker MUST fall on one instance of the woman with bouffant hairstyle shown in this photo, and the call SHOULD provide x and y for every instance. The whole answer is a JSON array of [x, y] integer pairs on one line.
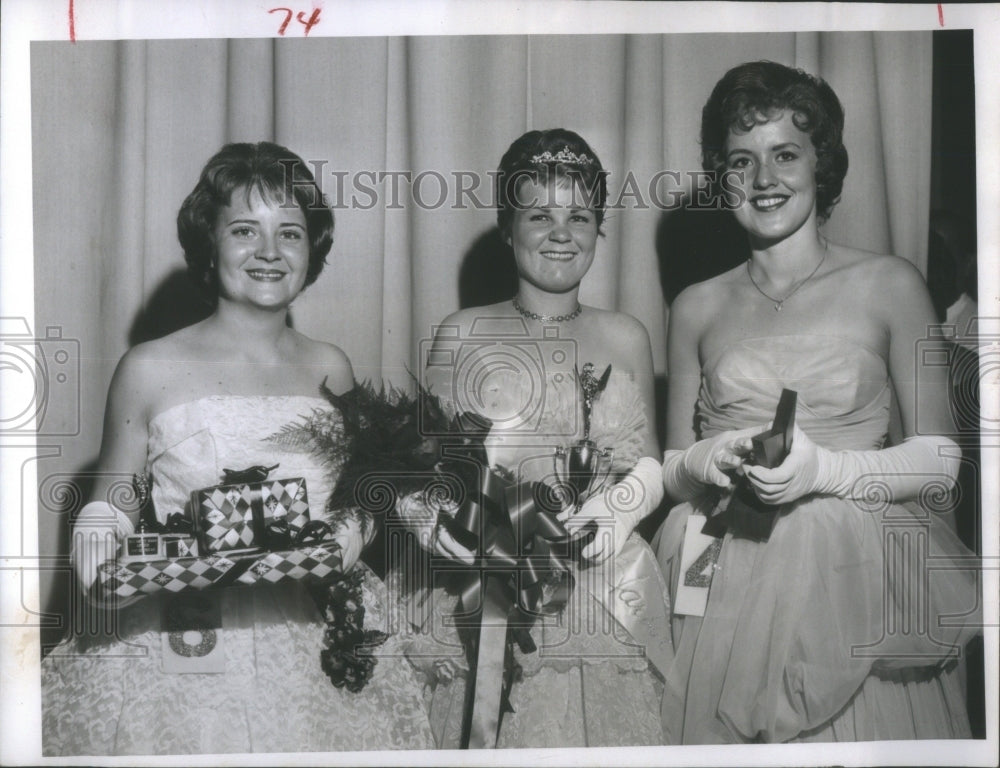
[[787, 609], [229, 670], [548, 373]]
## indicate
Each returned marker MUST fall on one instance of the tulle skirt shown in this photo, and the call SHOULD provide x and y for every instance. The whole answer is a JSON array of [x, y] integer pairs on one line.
[[845, 625]]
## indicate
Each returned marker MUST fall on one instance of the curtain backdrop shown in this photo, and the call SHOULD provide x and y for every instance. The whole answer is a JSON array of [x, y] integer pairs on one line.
[[122, 129]]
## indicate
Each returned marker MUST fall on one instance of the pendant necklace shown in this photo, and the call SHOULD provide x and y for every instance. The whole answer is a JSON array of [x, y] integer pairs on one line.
[[779, 302]]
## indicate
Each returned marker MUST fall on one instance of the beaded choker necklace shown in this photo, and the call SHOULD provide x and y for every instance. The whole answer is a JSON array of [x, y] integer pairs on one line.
[[546, 318]]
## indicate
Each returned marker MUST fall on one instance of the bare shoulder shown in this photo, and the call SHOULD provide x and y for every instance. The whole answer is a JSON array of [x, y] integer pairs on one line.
[[144, 363], [620, 327], [878, 274], [139, 380], [461, 322], [330, 360], [698, 303]]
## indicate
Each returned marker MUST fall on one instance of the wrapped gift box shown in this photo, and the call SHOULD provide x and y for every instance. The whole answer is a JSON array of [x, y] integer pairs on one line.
[[125, 579], [237, 516]]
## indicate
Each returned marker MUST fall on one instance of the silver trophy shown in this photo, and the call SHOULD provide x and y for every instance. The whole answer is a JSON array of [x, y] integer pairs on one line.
[[583, 468]]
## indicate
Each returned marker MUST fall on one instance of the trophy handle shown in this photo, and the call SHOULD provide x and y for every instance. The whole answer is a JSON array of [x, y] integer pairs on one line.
[[605, 459], [560, 469]]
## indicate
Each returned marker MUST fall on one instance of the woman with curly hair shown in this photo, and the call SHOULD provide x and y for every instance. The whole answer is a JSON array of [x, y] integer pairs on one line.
[[802, 635]]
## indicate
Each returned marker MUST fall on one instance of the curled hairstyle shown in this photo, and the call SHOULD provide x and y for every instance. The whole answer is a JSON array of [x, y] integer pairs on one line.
[[278, 175], [752, 93], [555, 155]]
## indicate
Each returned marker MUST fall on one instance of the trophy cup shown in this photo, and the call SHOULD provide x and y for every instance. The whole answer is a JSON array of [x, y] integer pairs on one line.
[[583, 468]]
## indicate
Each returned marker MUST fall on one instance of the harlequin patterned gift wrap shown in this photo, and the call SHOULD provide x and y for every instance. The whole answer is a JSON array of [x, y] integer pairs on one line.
[[312, 562], [236, 516], [128, 579]]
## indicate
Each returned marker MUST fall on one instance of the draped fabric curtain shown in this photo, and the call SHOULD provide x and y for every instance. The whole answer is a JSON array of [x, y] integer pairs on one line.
[[121, 130]]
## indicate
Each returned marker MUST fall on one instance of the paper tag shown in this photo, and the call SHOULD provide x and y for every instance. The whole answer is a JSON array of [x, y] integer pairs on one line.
[[699, 554], [192, 634]]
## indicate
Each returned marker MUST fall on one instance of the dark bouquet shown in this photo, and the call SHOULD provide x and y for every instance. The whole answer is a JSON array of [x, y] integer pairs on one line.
[[347, 658], [380, 445]]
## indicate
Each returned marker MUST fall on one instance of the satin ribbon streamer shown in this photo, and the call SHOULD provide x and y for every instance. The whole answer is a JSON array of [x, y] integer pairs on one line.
[[519, 545]]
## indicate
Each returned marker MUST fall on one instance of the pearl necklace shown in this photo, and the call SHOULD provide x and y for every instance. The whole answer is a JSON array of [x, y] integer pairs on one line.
[[547, 318], [779, 302]]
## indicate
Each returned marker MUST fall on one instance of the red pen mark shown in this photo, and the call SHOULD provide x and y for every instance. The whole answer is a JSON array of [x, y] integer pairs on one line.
[[313, 20], [72, 22], [940, 14], [309, 23]]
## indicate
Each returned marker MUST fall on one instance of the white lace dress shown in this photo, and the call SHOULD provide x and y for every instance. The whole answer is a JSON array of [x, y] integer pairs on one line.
[[107, 694]]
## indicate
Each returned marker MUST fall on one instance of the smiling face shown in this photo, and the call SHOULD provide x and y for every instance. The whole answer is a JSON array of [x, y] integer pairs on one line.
[[262, 251], [553, 235], [778, 163]]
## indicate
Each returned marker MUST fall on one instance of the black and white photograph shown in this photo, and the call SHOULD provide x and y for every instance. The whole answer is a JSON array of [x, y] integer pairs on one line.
[[494, 383]]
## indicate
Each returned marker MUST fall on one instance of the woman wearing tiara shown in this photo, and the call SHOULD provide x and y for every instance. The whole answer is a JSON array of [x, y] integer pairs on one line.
[[534, 365], [805, 634], [255, 232]]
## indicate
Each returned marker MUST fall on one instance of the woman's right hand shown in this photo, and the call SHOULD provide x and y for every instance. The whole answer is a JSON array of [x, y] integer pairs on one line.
[[706, 463], [421, 515]]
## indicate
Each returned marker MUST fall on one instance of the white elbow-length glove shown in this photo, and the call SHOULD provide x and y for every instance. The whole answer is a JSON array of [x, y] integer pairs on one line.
[[687, 473], [97, 532], [901, 472], [619, 509]]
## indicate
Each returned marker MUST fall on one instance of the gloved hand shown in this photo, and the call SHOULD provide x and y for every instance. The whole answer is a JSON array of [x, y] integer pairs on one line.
[[686, 473], [618, 509], [97, 533], [420, 514], [347, 533], [902, 471]]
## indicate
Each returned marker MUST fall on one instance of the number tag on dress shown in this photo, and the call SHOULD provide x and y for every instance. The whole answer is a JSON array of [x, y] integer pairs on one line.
[[192, 634], [699, 554]]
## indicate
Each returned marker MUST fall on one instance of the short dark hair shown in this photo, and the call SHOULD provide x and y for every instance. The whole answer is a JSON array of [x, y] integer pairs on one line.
[[544, 156], [277, 174], [751, 93]]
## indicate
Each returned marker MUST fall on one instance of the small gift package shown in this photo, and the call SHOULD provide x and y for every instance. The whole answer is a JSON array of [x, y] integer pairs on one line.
[[249, 512]]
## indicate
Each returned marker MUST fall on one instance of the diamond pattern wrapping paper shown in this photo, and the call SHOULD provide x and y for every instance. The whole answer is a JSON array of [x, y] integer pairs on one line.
[[318, 561], [236, 516]]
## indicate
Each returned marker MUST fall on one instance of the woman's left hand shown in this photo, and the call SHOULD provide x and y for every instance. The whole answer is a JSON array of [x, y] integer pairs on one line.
[[618, 510], [612, 529], [797, 476]]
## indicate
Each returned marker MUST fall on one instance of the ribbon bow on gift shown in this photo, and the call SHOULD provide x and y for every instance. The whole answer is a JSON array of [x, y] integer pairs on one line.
[[520, 545], [273, 533], [282, 535]]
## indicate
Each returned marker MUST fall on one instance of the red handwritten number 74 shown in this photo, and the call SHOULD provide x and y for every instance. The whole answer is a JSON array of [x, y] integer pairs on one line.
[[300, 17]]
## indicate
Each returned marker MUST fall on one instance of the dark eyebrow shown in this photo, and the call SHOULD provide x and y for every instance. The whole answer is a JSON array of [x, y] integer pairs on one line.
[[243, 221], [786, 145]]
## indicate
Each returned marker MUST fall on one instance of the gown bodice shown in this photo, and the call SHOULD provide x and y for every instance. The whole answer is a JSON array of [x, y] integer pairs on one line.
[[190, 444], [533, 416], [843, 388]]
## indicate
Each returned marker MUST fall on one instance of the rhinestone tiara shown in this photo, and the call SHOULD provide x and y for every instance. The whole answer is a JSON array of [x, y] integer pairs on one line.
[[563, 156]]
